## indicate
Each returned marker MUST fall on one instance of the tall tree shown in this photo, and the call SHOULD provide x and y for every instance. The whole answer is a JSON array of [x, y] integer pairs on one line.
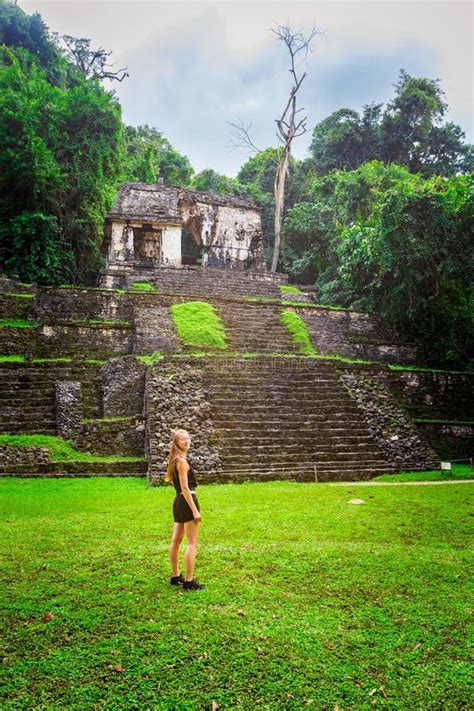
[[149, 155], [289, 126]]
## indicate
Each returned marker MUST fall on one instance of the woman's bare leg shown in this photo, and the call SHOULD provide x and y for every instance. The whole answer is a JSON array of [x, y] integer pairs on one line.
[[178, 531], [191, 529]]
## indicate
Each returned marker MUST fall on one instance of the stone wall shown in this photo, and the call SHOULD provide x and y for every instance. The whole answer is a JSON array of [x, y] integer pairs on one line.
[[155, 329], [355, 335], [123, 387], [434, 395], [451, 442], [16, 306], [76, 304], [389, 424], [68, 340], [13, 459], [113, 436], [69, 413], [176, 399]]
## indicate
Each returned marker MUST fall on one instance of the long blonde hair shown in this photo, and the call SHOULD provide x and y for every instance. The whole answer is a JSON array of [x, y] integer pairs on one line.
[[174, 452]]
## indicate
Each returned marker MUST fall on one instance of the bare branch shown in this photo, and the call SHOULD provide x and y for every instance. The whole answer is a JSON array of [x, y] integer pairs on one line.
[[92, 64]]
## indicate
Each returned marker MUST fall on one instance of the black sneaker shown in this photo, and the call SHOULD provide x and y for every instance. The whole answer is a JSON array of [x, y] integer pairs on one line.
[[193, 585], [177, 580]]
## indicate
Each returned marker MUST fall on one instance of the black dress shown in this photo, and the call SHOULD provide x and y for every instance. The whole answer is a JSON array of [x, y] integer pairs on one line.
[[181, 510]]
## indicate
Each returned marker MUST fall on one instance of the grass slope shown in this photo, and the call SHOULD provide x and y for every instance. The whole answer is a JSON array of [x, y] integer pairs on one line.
[[61, 450], [299, 331], [198, 324], [312, 602]]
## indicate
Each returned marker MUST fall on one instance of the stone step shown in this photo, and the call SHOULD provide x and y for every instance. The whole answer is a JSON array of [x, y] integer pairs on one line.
[[249, 390], [289, 441], [295, 415], [320, 421], [295, 399], [44, 427], [281, 464]]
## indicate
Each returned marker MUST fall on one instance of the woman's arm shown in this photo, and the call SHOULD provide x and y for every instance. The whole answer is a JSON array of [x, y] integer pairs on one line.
[[183, 468]]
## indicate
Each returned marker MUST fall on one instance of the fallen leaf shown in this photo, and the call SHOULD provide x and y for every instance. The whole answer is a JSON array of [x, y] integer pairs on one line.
[[214, 706], [113, 651], [371, 693], [336, 708], [378, 602], [383, 692], [263, 637], [118, 668], [373, 702], [48, 616], [417, 646], [241, 613]]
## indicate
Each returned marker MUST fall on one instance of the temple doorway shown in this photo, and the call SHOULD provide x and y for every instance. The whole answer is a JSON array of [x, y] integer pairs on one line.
[[147, 244]]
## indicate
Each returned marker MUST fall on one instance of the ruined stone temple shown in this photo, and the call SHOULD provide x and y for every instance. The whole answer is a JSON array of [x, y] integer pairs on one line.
[[152, 226], [112, 370]]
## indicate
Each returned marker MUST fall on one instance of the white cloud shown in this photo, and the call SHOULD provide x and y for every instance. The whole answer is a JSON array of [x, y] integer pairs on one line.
[[194, 65]]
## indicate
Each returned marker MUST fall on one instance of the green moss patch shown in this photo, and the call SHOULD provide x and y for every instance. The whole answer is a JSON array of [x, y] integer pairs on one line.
[[198, 324], [61, 450], [288, 289], [421, 369], [150, 359], [299, 332], [18, 323], [14, 295], [143, 286]]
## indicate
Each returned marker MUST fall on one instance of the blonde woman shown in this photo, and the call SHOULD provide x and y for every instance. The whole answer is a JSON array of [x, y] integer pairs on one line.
[[186, 512]]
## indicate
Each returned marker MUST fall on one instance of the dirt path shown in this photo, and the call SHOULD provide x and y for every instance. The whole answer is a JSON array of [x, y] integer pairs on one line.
[[396, 483]]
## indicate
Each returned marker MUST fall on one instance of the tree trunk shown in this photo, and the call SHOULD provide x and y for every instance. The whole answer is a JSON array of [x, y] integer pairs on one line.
[[279, 191]]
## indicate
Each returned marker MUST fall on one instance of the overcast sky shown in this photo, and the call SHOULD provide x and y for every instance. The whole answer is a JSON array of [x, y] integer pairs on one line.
[[194, 66]]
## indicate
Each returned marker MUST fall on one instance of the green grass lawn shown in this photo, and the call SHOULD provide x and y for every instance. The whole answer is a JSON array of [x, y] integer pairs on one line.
[[312, 602]]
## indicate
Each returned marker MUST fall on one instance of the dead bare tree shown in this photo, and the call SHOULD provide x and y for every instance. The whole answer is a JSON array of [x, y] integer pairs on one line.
[[91, 63], [289, 125]]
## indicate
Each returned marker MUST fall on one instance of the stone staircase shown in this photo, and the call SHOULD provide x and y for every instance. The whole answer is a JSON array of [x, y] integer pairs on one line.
[[279, 418], [254, 328], [198, 281], [27, 394]]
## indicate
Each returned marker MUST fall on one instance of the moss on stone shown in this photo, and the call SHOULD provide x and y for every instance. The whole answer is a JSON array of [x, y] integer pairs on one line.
[[61, 450], [14, 295], [198, 324], [289, 289], [150, 359], [299, 331], [18, 323], [143, 286]]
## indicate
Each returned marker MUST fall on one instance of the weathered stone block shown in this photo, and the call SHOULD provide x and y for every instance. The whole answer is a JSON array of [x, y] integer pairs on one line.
[[69, 412]]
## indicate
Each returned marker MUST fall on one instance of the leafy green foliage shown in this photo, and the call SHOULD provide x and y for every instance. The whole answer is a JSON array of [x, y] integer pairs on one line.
[[209, 180], [149, 155], [198, 324], [409, 132], [60, 159]]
